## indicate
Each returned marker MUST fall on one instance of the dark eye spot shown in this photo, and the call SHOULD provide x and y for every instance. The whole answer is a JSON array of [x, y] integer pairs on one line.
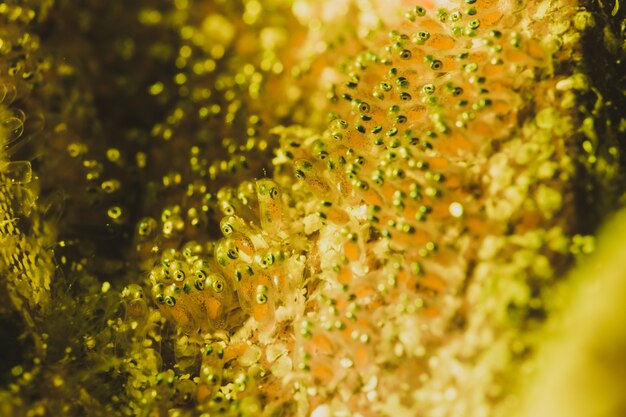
[[436, 65], [179, 275], [218, 285]]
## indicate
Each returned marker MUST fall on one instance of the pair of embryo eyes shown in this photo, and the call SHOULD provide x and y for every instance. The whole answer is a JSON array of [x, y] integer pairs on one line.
[[169, 295]]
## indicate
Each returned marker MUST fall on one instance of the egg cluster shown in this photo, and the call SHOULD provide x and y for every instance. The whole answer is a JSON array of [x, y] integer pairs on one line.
[[277, 208], [417, 197], [423, 184], [249, 271]]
